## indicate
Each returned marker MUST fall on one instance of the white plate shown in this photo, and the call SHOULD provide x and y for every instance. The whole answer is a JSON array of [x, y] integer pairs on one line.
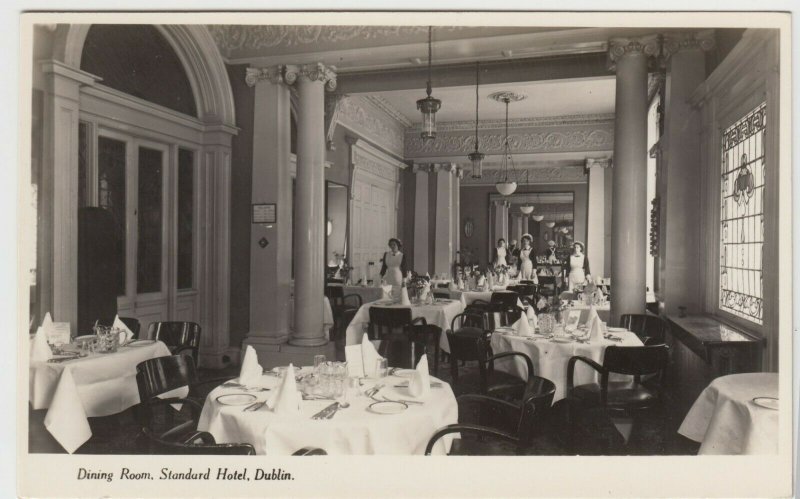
[[387, 407], [766, 402], [557, 339], [236, 399], [504, 329], [404, 373], [617, 329], [140, 343]]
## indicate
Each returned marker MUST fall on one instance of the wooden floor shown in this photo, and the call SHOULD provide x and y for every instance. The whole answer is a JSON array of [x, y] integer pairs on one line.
[[655, 433]]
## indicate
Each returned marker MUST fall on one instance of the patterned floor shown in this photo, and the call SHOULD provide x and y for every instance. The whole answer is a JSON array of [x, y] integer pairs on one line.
[[654, 433]]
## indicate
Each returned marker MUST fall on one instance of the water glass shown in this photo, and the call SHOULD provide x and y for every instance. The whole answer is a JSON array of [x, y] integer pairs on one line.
[[381, 368], [318, 361]]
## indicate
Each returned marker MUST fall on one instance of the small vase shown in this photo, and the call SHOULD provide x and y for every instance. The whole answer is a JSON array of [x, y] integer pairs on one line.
[[547, 323]]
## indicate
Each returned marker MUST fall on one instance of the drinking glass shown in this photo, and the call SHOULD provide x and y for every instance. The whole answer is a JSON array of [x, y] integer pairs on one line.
[[318, 360], [381, 368]]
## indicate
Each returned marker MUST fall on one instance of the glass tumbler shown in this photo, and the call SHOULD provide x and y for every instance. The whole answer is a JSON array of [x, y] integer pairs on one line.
[[381, 368]]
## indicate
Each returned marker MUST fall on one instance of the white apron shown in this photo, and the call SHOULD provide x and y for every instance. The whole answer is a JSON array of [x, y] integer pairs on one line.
[[576, 275]]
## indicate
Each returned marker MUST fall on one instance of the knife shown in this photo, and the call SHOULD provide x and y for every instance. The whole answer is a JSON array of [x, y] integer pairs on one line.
[[324, 412]]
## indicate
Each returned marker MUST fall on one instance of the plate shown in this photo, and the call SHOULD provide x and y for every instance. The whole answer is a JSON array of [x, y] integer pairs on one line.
[[140, 343], [556, 339], [403, 373], [617, 329], [387, 407], [236, 399], [505, 330], [766, 402]]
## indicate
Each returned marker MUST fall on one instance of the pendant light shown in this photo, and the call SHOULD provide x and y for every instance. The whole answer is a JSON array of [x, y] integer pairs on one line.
[[476, 157], [429, 105], [526, 208], [507, 186], [538, 218], [550, 224]]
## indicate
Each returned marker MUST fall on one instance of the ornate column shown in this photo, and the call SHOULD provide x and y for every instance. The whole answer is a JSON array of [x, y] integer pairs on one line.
[[596, 220], [499, 226], [444, 249], [270, 244], [629, 211], [458, 175], [309, 232], [525, 229], [506, 221], [681, 191], [421, 217]]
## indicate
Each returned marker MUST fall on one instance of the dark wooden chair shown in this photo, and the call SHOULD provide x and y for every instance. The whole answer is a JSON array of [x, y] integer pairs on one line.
[[627, 396], [487, 380], [548, 286], [649, 328], [441, 294], [502, 428], [341, 303], [344, 321], [155, 377], [404, 340], [310, 451], [526, 292], [178, 336], [133, 324], [507, 298], [200, 443]]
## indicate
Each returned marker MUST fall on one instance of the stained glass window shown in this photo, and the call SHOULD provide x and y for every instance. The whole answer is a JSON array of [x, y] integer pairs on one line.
[[742, 216]]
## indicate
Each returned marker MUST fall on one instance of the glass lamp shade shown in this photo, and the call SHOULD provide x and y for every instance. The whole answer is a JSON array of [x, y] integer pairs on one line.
[[506, 188], [550, 225], [477, 164], [429, 105], [527, 209], [538, 218]]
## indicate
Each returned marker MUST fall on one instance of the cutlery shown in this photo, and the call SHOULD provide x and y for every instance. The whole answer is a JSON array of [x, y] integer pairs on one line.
[[323, 414], [403, 401], [332, 413], [315, 397], [434, 384], [254, 407]]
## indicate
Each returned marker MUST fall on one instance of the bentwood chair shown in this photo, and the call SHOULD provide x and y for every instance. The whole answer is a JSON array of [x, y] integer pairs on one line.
[[341, 303], [628, 396], [178, 336], [649, 328], [310, 451], [487, 380], [161, 375], [502, 428], [404, 340], [200, 443], [133, 324]]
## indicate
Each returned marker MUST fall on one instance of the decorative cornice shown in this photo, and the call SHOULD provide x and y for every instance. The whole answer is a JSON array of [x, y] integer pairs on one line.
[[688, 40], [273, 74], [369, 122], [369, 159], [387, 108], [618, 48], [565, 120], [546, 175]]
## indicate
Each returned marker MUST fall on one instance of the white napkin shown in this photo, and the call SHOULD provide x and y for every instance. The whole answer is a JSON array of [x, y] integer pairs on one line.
[[47, 322], [596, 331], [386, 292], [482, 281], [452, 286], [369, 355], [419, 386], [251, 370], [125, 334], [522, 327], [286, 399], [40, 350], [404, 297], [423, 295], [591, 318], [355, 363], [532, 319]]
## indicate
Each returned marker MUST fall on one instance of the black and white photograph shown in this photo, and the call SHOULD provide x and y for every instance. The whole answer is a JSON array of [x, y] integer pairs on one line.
[[325, 253]]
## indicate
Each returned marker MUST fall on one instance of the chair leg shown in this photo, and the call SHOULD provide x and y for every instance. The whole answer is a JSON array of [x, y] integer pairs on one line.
[[436, 360]]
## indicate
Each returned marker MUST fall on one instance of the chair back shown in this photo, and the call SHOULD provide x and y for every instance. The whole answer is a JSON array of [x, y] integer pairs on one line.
[[526, 292], [178, 336], [465, 320], [386, 322], [547, 285], [310, 451], [165, 447], [536, 403], [443, 285], [637, 361], [469, 344], [508, 298], [502, 315], [333, 292], [649, 328], [164, 374], [441, 294], [133, 324]]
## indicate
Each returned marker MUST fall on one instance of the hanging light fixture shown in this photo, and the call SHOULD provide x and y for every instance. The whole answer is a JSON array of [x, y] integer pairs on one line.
[[538, 218], [476, 157], [550, 224], [508, 185], [429, 105], [526, 208]]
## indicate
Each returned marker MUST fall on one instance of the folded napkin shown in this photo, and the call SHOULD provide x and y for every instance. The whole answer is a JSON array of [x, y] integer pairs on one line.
[[490, 280], [482, 281], [419, 386], [426, 290], [522, 327], [386, 292], [591, 318], [404, 297], [596, 330], [532, 319], [40, 350], [125, 334], [47, 322], [286, 399], [251, 370], [369, 355]]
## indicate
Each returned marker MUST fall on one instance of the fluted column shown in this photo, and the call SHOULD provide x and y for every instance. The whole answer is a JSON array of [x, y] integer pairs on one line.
[[525, 229], [309, 230], [499, 215], [421, 218], [596, 222], [629, 210]]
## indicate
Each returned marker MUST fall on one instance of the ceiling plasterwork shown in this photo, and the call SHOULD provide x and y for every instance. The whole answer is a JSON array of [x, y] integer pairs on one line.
[[536, 175]]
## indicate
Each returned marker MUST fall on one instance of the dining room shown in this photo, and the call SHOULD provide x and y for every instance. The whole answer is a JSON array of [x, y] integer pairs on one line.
[[408, 240]]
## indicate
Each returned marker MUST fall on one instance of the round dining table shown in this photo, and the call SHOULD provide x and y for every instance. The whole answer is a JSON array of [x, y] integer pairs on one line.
[[735, 414], [355, 430]]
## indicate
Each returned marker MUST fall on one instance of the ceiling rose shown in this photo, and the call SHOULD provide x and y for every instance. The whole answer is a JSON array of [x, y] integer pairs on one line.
[[504, 95]]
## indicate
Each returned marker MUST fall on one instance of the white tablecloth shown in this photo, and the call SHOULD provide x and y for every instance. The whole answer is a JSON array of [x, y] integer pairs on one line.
[[440, 314], [603, 311], [352, 431], [550, 359], [367, 294], [726, 421], [97, 385], [469, 297]]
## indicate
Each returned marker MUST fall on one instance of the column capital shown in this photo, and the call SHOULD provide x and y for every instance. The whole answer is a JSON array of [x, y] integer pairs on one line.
[[272, 74], [421, 168], [618, 48], [312, 72], [351, 140], [688, 40], [597, 163]]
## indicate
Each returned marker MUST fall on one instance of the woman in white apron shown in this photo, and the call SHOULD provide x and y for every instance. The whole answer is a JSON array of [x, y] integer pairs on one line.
[[394, 264], [500, 253], [527, 269], [578, 266]]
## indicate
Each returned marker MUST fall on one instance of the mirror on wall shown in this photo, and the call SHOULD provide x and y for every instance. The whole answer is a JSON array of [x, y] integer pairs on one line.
[[335, 225]]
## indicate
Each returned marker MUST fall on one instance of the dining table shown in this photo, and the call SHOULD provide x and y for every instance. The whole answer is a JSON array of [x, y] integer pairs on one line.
[[603, 310], [358, 429], [735, 414], [100, 384], [440, 313], [367, 293], [550, 355]]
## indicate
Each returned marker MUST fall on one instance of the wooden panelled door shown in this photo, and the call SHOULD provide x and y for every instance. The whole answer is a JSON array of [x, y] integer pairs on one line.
[[373, 222]]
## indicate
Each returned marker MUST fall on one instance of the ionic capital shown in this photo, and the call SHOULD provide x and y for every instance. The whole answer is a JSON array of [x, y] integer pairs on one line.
[[688, 40], [647, 46], [273, 74], [313, 72], [597, 163]]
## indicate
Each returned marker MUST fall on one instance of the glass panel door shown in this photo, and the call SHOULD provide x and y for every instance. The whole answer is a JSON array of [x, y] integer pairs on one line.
[[149, 254]]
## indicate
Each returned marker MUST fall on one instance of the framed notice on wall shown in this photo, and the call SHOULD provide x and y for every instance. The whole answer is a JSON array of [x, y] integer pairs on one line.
[[265, 213]]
